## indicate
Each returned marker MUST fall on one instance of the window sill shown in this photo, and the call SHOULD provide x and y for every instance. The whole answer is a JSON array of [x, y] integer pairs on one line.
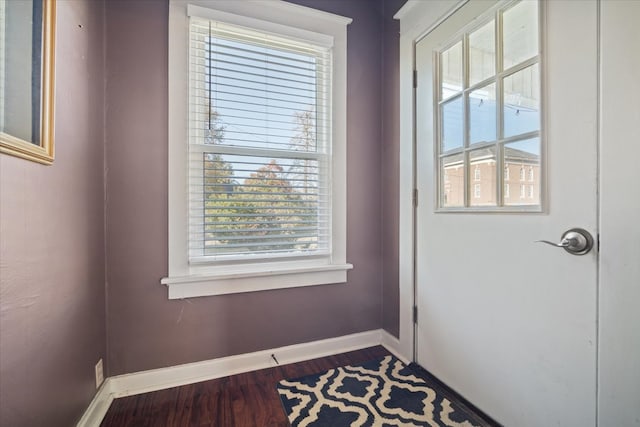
[[239, 282]]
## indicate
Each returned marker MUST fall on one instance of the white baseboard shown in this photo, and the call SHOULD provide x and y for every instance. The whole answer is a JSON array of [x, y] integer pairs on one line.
[[392, 344], [98, 407], [159, 379]]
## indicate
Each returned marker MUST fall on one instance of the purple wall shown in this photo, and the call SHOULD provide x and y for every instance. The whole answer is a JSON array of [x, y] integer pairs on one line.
[[390, 146], [52, 220], [52, 306], [145, 329]]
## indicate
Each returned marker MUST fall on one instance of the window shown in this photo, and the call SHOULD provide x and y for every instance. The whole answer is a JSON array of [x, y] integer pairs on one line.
[[264, 156], [530, 191], [506, 191], [488, 82], [522, 190], [259, 145], [476, 191]]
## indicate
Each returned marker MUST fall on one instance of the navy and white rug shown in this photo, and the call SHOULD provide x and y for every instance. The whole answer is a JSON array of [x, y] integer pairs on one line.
[[382, 393]]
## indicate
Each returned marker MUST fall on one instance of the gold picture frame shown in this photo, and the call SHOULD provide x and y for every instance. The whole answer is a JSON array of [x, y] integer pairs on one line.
[[41, 151]]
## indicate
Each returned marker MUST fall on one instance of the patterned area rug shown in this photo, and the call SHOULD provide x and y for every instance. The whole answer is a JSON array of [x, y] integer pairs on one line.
[[383, 392]]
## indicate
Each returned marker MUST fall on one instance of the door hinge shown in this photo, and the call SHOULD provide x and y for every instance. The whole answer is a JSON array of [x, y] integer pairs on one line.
[[415, 79], [415, 197], [415, 314]]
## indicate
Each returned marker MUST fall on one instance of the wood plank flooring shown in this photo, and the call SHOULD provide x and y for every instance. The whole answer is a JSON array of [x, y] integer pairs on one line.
[[248, 399]]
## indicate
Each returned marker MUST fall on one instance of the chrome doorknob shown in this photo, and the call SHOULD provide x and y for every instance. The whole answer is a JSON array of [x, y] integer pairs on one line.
[[576, 241]]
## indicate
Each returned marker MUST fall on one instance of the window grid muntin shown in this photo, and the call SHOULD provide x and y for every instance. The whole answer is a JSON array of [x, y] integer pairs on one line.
[[500, 74]]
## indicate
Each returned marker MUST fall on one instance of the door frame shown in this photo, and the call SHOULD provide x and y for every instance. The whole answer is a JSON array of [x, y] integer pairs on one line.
[[417, 19]]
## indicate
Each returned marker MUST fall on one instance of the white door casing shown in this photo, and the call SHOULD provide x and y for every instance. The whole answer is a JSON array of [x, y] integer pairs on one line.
[[509, 323]]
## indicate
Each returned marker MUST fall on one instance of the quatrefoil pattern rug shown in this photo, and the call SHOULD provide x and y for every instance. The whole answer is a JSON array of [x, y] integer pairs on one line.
[[382, 393]]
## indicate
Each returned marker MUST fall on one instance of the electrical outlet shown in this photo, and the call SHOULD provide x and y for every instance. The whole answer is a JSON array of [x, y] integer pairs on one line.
[[99, 373]]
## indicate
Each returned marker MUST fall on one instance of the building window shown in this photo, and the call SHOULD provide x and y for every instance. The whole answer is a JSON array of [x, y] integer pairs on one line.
[[265, 148], [488, 89], [506, 191], [522, 190], [522, 173], [531, 191], [476, 191]]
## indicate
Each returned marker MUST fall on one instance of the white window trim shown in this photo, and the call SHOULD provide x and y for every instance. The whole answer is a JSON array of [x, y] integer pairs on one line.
[[189, 280]]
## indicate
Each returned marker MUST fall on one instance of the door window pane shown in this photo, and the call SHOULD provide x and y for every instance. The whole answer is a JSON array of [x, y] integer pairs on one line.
[[522, 101], [489, 112], [452, 124], [520, 33], [482, 53], [451, 69], [525, 156], [452, 167], [484, 160], [482, 114]]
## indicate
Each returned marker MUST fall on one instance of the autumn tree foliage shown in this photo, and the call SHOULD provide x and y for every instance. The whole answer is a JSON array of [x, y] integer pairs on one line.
[[271, 209]]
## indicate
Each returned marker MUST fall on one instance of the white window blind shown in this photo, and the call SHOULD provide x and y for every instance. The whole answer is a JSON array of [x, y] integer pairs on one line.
[[259, 145]]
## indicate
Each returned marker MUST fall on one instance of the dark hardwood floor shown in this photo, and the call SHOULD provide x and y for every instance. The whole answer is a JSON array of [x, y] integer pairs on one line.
[[248, 399]]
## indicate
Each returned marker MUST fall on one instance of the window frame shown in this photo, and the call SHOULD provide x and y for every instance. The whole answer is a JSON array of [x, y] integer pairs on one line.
[[501, 73], [197, 279]]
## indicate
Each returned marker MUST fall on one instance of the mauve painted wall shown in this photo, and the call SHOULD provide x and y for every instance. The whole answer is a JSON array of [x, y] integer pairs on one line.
[[390, 146], [52, 299], [145, 329]]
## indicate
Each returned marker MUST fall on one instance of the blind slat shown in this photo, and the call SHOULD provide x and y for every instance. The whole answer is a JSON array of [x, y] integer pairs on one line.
[[197, 80], [269, 61], [261, 245], [320, 227]]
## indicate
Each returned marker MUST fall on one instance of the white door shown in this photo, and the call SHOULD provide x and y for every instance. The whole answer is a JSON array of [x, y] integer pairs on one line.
[[507, 322]]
